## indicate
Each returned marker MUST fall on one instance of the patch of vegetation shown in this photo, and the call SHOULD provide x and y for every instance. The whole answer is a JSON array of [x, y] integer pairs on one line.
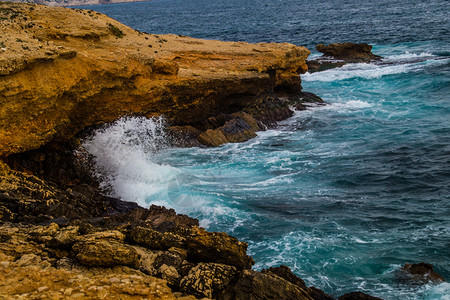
[[8, 12], [2, 45], [116, 31]]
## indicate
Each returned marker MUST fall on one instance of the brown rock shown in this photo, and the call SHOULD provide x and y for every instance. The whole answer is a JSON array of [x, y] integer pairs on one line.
[[422, 272], [106, 254], [286, 273], [217, 247], [253, 285], [208, 279], [349, 52], [358, 296], [154, 239]]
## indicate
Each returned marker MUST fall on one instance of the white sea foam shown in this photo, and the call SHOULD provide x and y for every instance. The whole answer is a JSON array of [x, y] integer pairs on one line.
[[360, 70], [407, 55], [396, 64]]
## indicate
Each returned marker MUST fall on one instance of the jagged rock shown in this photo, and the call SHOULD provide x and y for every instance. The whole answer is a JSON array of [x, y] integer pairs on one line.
[[421, 272], [239, 128], [286, 273], [146, 259], [318, 294], [169, 273], [184, 136], [349, 52], [253, 285], [208, 279], [154, 239], [344, 52], [217, 247], [66, 237], [169, 259], [163, 219], [358, 296], [106, 254]]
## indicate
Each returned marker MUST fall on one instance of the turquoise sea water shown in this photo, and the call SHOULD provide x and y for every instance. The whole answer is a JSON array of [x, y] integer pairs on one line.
[[344, 194]]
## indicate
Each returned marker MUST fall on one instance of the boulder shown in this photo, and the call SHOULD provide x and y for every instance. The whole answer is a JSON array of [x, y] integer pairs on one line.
[[105, 253], [219, 247], [153, 239], [285, 273], [252, 285], [422, 272], [208, 279]]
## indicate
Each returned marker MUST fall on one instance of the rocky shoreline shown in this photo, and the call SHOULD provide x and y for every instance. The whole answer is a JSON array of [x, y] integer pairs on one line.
[[63, 73]]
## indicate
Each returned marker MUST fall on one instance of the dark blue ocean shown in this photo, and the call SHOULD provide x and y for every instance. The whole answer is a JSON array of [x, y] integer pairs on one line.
[[344, 194]]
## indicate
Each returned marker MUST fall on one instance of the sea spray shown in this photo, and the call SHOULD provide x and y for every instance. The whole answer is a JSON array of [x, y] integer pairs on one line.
[[121, 153]]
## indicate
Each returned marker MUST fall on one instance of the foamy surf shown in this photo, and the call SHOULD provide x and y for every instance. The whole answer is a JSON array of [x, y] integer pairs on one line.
[[391, 65]]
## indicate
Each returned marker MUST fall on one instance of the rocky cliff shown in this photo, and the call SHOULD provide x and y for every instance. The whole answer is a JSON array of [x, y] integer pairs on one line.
[[63, 71]]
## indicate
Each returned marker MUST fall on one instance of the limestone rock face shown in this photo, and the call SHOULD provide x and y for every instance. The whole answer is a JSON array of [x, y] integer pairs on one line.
[[73, 68]]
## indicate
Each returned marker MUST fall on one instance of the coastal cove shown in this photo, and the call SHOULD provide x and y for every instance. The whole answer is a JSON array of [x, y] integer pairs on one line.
[[343, 194], [341, 175]]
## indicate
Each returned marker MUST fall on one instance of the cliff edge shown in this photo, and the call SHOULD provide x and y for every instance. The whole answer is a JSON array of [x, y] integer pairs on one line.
[[62, 70]]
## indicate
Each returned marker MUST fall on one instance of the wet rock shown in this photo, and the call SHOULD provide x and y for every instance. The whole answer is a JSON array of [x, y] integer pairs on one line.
[[208, 279], [323, 64], [339, 54], [219, 247], [286, 273], [212, 138], [184, 136], [106, 254], [421, 272], [349, 52], [237, 127], [253, 285], [358, 296], [318, 294]]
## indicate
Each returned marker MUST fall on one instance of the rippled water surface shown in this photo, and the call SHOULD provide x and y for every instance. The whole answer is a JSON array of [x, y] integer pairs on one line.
[[344, 194]]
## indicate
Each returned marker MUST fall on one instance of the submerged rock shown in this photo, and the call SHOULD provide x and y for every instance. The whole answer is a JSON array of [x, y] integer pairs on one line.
[[420, 273], [358, 296]]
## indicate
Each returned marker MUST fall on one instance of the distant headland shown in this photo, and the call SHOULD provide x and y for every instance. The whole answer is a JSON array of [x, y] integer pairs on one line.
[[75, 2]]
